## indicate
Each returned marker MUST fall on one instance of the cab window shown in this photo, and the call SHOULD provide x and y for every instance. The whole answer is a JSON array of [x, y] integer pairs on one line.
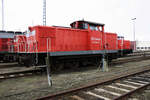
[[100, 28], [93, 27], [83, 25]]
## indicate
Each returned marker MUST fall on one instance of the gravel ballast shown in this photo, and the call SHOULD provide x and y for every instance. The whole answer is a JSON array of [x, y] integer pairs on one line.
[[27, 88]]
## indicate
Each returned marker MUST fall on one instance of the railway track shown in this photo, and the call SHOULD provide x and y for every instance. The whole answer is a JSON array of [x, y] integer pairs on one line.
[[128, 58], [120, 61], [8, 65], [116, 88], [20, 74], [39, 70]]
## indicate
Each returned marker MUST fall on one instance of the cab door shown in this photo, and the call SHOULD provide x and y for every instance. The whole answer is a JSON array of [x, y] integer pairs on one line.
[[95, 38]]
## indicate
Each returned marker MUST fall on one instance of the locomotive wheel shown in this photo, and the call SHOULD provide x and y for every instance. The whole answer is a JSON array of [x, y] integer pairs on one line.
[[99, 64], [84, 63], [70, 65], [58, 67], [75, 65], [20, 61], [67, 65]]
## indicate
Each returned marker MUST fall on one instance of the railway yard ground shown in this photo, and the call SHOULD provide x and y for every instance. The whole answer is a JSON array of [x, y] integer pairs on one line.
[[36, 86]]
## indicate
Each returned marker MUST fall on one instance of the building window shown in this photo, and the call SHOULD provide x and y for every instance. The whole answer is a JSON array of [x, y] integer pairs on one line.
[[138, 47], [148, 47], [145, 48], [142, 47]]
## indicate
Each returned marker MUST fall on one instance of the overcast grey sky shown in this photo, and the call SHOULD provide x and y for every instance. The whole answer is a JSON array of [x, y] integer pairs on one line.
[[116, 14]]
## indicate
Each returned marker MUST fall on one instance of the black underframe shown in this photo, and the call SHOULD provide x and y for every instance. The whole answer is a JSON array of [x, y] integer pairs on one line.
[[67, 53]]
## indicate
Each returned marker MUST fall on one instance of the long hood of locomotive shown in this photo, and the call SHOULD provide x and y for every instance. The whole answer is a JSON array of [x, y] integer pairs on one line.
[[68, 41]]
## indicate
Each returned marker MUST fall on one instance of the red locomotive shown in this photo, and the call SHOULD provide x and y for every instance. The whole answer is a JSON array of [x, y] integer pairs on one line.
[[124, 46], [7, 46], [20, 43], [84, 42], [6, 38]]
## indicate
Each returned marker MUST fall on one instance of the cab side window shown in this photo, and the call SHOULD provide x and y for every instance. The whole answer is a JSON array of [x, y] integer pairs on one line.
[[93, 27], [83, 25], [100, 29], [80, 26]]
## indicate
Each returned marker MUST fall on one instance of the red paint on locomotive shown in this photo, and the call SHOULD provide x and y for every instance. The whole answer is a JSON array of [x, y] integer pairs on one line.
[[20, 44], [58, 39], [111, 41]]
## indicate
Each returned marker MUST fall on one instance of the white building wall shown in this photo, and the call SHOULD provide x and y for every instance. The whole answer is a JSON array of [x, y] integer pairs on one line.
[[142, 45]]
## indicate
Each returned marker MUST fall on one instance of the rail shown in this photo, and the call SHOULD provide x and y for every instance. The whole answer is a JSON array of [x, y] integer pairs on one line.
[[125, 85], [19, 74]]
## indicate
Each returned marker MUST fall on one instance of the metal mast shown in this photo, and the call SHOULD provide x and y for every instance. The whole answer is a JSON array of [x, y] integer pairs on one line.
[[134, 33], [44, 12], [47, 58], [2, 14]]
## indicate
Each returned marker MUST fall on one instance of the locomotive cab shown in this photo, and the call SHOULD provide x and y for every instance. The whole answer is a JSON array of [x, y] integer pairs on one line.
[[87, 25]]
